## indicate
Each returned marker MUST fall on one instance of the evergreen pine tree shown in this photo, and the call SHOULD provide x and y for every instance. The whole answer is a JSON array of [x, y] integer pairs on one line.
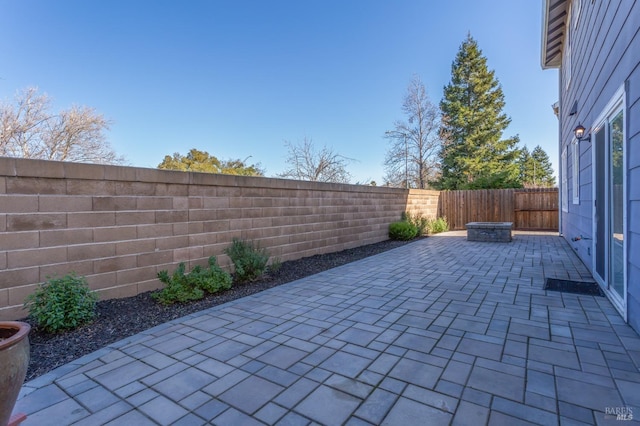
[[543, 169], [474, 155], [535, 168], [526, 167]]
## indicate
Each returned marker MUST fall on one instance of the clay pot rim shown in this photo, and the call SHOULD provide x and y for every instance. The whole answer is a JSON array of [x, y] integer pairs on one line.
[[22, 331]]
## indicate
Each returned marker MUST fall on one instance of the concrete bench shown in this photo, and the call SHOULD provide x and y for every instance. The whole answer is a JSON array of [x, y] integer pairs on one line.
[[489, 231]]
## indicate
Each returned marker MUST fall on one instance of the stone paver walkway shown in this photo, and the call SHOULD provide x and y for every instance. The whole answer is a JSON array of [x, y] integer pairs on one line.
[[440, 331]]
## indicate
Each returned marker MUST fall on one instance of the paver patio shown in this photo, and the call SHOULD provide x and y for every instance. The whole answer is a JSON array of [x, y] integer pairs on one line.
[[440, 331]]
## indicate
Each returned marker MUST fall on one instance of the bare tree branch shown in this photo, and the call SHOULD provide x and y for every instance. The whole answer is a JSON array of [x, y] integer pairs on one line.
[[29, 130], [305, 163], [412, 158]]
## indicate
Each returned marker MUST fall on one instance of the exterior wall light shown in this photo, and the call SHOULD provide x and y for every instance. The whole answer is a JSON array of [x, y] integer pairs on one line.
[[579, 133]]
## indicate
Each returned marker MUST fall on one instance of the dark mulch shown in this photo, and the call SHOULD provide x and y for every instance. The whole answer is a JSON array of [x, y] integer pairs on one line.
[[120, 318]]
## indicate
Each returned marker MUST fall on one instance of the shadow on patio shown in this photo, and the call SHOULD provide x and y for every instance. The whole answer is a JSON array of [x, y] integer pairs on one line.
[[435, 332]]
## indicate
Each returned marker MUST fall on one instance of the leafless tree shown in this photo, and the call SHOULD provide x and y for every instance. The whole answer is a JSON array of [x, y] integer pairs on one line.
[[29, 129], [306, 163], [412, 158]]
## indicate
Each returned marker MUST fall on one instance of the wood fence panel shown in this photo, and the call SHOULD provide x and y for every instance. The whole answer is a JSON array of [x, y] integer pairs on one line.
[[536, 210], [528, 209]]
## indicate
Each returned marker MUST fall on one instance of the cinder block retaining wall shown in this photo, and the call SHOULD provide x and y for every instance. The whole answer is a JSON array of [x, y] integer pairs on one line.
[[119, 226]]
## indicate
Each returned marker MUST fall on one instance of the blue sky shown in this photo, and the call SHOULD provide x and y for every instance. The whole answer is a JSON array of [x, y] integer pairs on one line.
[[237, 78]]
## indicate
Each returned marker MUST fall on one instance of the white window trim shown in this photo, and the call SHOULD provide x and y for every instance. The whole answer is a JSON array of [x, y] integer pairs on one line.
[[575, 182], [564, 184]]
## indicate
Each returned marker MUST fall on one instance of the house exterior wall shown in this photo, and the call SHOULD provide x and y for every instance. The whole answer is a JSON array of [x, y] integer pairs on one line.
[[604, 56], [119, 226]]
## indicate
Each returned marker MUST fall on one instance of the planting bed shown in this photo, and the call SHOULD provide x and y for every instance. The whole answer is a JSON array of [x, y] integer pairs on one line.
[[120, 318]]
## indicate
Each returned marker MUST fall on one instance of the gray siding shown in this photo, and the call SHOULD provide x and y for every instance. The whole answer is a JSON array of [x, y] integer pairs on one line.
[[605, 55]]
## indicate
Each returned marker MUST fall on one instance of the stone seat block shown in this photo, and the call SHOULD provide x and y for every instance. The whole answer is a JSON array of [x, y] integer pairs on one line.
[[489, 231]]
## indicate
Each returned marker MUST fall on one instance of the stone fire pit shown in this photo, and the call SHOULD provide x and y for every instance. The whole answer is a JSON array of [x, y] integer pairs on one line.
[[489, 231]]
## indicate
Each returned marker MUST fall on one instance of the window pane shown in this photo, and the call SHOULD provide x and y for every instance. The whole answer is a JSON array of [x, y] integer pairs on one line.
[[616, 153]]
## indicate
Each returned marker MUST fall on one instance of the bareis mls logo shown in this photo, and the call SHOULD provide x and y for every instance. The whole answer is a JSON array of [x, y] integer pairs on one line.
[[620, 413]]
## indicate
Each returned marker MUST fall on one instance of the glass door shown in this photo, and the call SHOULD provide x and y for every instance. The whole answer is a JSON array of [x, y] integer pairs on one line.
[[600, 204], [616, 204], [609, 213]]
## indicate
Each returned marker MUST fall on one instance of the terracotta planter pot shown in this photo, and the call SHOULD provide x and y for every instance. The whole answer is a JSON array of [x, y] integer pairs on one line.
[[14, 360]]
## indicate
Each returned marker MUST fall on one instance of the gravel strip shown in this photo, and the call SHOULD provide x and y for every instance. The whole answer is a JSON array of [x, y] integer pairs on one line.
[[120, 318]]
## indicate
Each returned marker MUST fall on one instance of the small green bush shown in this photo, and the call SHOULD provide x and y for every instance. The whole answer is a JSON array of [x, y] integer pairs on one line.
[[177, 287], [439, 225], [211, 279], [62, 303], [249, 260], [402, 230], [181, 287], [275, 265], [420, 222]]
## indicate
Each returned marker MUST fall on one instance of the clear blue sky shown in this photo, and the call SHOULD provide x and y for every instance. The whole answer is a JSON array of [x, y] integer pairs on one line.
[[238, 78]]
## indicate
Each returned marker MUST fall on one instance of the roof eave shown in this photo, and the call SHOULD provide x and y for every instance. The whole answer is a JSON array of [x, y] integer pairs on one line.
[[553, 32]]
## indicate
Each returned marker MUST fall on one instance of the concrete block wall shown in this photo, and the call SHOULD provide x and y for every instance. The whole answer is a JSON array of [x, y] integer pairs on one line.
[[423, 202], [119, 226]]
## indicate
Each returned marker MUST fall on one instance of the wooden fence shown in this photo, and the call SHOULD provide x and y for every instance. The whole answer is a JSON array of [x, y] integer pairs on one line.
[[528, 209]]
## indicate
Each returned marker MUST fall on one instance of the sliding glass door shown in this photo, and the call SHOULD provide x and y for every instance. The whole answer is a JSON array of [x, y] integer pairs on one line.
[[616, 204], [609, 201]]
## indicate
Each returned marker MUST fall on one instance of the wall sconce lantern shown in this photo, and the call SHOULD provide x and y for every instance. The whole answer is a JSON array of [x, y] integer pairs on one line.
[[579, 133]]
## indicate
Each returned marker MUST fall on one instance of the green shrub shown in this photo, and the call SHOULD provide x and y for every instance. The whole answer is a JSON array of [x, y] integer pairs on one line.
[[177, 287], [249, 260], [275, 265], [181, 287], [402, 230], [211, 279], [439, 225], [62, 303], [420, 222]]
